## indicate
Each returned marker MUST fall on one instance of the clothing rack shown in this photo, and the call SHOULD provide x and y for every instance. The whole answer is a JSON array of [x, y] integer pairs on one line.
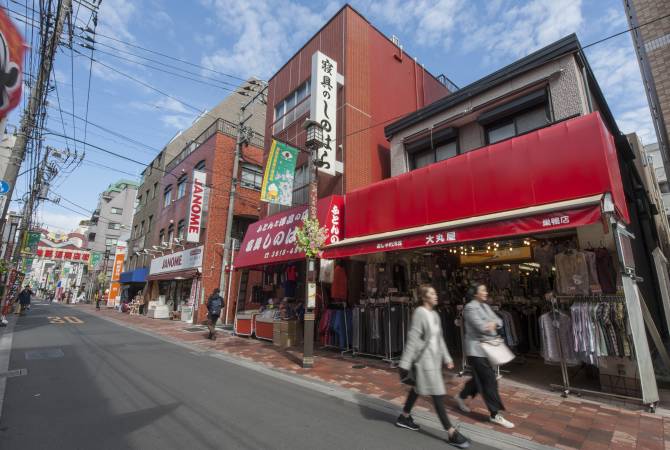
[[388, 355], [566, 388]]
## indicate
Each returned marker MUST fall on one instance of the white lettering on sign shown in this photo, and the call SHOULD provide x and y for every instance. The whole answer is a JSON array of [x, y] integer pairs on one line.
[[196, 207], [554, 221], [392, 244], [323, 107], [335, 225]]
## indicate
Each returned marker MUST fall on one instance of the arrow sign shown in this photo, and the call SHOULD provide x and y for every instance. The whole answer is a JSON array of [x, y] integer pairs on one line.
[[4, 187]]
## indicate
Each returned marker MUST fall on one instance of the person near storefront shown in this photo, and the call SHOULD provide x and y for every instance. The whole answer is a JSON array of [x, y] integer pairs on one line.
[[481, 324], [426, 353], [214, 306]]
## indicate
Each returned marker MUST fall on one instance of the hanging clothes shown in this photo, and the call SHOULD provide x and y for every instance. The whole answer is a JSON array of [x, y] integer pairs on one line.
[[572, 273], [340, 285], [553, 343]]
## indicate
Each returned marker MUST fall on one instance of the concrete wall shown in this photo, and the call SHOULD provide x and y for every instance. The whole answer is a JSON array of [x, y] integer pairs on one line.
[[568, 97], [124, 200]]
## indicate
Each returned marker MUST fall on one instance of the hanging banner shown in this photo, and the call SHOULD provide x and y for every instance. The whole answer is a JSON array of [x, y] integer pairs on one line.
[[94, 262], [12, 48], [279, 174], [196, 207], [30, 242], [115, 287], [323, 107]]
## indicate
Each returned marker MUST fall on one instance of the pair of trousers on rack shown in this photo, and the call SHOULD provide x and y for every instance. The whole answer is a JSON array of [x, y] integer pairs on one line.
[[483, 382]]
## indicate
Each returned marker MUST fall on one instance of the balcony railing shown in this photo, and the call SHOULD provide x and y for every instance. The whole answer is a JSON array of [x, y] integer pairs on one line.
[[219, 125]]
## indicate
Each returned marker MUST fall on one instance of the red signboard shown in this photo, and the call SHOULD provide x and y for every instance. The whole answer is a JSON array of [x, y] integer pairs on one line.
[[65, 255], [541, 223], [11, 64], [272, 240], [573, 159]]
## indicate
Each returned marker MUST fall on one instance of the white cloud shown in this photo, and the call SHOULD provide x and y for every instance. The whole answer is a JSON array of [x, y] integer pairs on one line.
[[115, 17], [266, 33], [61, 221], [166, 104], [61, 77], [176, 121]]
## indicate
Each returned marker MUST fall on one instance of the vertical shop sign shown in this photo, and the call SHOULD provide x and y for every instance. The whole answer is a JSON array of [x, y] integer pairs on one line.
[[94, 261], [279, 174], [196, 207], [323, 107], [115, 286]]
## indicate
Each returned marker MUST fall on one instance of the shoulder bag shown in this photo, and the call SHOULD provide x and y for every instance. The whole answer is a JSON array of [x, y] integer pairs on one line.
[[497, 352], [410, 378]]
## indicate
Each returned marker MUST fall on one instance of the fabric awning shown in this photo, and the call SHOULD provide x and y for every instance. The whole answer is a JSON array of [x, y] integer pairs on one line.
[[134, 276], [272, 240], [180, 274], [527, 221]]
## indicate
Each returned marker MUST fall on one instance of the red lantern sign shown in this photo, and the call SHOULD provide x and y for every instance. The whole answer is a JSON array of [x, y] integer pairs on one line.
[[11, 64]]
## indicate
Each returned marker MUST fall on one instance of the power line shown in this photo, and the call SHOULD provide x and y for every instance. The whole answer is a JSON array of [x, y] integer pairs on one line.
[[625, 31]]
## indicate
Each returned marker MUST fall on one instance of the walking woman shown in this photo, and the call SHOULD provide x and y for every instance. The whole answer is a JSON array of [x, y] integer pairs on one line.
[[481, 324], [427, 352]]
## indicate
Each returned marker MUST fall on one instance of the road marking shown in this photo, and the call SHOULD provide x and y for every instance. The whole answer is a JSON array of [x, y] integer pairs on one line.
[[65, 319], [14, 373]]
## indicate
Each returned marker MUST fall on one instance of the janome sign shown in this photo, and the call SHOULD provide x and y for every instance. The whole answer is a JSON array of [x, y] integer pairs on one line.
[[186, 259], [197, 206]]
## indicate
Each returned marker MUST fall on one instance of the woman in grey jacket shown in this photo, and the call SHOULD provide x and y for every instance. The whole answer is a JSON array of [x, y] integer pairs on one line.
[[427, 352], [481, 324]]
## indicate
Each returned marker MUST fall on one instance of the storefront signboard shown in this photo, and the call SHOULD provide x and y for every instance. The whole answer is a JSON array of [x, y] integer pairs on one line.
[[277, 184], [115, 286], [186, 259], [492, 230], [272, 240], [323, 107], [196, 207]]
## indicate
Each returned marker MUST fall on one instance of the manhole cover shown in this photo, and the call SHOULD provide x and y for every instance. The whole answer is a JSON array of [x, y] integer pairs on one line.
[[194, 329], [14, 373], [52, 353]]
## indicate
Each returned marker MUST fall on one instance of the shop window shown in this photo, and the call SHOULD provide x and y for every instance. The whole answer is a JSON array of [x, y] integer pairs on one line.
[[517, 117], [167, 196], [181, 227], [252, 176], [118, 211], [200, 165], [181, 187]]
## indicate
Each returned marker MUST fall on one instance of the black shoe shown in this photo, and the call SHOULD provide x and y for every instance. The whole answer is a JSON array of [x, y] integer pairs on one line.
[[407, 422], [209, 336], [458, 440]]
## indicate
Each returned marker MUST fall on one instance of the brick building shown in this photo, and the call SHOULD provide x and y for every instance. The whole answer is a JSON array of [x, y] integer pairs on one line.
[[651, 37]]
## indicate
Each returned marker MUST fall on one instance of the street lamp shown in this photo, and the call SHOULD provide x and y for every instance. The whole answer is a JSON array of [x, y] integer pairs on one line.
[[313, 142]]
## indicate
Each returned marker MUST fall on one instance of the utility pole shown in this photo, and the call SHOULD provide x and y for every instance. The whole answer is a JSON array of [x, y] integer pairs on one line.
[[242, 139], [35, 103]]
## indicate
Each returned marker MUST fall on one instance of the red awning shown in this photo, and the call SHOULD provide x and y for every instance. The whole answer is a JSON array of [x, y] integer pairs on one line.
[[569, 160], [518, 226], [272, 240]]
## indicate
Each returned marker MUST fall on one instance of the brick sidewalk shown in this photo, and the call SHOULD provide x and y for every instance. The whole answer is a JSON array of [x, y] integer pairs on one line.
[[540, 416]]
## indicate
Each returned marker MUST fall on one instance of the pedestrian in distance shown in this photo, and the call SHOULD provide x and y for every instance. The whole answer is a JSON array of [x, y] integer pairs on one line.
[[422, 363], [481, 324], [24, 299], [214, 306]]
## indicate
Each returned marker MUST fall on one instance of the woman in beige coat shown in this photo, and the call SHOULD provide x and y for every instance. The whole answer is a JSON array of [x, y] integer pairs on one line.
[[427, 352]]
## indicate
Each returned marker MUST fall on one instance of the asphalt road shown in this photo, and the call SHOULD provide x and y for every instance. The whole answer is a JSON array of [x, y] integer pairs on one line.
[[92, 384]]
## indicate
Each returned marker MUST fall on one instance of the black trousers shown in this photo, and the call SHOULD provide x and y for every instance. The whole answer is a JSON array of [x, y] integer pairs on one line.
[[483, 382], [438, 401]]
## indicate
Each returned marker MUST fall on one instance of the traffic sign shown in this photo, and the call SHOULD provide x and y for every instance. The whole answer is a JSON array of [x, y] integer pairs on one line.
[[4, 187]]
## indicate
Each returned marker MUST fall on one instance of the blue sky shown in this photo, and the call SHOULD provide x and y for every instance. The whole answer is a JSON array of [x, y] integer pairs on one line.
[[464, 39]]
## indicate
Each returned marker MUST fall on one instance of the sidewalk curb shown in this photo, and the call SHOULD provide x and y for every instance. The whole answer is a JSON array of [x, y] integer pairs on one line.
[[6, 338], [477, 433]]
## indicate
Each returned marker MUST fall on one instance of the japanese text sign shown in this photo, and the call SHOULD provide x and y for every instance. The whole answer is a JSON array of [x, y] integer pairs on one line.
[[323, 107]]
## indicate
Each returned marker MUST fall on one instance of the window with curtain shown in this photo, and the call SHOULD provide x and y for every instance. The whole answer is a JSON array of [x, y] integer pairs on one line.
[[517, 117]]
